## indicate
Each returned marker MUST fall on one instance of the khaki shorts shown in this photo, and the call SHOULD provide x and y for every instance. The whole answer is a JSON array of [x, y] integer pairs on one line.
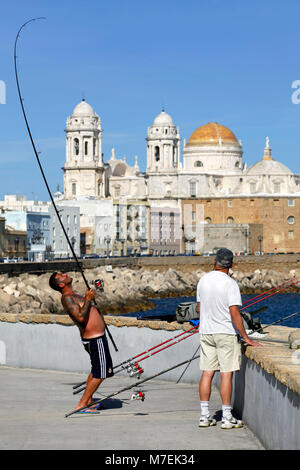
[[220, 352]]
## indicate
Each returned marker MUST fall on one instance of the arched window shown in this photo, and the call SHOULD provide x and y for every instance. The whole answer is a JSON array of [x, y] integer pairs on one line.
[[198, 163], [76, 146], [230, 220], [291, 219], [237, 164], [73, 189], [207, 220]]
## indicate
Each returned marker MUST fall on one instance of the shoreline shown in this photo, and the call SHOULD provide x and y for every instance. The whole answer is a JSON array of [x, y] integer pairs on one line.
[[132, 289]]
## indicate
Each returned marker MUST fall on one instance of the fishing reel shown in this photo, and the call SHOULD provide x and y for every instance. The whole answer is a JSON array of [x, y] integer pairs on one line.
[[138, 395], [135, 370], [99, 284]]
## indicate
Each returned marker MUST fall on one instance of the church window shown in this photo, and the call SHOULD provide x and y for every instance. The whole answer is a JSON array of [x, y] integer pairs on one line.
[[291, 234], [291, 220], [166, 131], [252, 187], [207, 220], [156, 153], [291, 202], [76, 146], [229, 203], [73, 189], [237, 164], [86, 148], [230, 220], [198, 163]]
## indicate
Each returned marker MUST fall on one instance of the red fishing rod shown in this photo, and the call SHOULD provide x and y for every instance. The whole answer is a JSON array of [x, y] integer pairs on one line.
[[270, 295], [270, 290], [134, 368]]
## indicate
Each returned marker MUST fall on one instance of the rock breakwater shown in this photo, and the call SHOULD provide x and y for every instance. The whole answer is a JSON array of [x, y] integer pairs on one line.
[[126, 290]]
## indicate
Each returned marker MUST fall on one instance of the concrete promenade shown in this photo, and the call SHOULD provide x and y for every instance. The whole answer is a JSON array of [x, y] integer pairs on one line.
[[34, 403]]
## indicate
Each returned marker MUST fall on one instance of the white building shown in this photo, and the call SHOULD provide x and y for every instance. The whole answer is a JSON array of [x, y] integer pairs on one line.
[[70, 217], [211, 166]]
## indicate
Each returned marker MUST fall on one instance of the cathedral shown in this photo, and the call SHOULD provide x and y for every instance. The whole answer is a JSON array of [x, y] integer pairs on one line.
[[183, 198]]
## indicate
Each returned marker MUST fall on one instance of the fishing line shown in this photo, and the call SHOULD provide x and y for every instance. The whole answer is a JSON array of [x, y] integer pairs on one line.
[[42, 171]]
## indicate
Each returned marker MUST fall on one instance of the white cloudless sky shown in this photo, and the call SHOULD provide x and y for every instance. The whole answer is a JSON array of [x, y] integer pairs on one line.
[[228, 61]]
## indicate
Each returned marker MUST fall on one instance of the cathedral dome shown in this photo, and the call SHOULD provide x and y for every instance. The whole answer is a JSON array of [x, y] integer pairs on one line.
[[267, 165], [163, 119], [83, 109], [212, 133]]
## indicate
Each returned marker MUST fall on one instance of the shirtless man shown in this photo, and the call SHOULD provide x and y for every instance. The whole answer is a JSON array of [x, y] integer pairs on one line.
[[92, 332]]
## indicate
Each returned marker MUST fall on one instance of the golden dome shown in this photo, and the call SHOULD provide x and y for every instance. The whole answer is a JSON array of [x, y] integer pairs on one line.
[[210, 134]]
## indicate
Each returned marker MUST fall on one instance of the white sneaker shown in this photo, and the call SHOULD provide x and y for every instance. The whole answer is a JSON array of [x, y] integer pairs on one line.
[[230, 423], [206, 421]]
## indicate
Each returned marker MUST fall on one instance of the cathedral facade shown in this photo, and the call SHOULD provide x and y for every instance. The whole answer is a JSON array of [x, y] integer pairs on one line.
[[181, 192]]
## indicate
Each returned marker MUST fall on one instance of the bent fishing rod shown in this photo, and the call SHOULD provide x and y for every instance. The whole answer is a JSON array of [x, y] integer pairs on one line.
[[131, 386], [43, 174]]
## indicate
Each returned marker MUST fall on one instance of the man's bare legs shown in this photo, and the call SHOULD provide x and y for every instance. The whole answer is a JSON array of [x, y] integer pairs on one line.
[[225, 391], [92, 385], [205, 384], [226, 388]]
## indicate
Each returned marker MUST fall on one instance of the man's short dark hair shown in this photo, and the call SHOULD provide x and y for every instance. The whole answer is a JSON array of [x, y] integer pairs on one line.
[[53, 282], [224, 258]]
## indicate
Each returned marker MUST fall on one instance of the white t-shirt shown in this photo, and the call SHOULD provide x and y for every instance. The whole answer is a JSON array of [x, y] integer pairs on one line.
[[216, 292]]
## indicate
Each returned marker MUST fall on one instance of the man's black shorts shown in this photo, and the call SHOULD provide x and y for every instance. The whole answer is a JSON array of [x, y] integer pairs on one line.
[[101, 361]]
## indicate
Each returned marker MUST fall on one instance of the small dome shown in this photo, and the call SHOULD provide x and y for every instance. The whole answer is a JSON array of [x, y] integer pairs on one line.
[[83, 109], [268, 167], [211, 134], [163, 119]]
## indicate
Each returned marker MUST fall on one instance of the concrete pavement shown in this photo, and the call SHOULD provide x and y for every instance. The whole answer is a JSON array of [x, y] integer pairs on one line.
[[34, 403]]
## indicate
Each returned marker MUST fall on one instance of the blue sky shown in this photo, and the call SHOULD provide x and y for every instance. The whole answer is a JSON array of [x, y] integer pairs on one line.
[[227, 61]]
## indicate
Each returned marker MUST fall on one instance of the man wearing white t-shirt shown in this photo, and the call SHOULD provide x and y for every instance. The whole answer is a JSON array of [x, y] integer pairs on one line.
[[218, 299]]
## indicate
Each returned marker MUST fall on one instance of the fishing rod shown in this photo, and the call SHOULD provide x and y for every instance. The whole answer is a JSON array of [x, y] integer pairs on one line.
[[42, 171], [270, 295], [131, 386], [134, 369], [277, 321], [129, 360], [266, 292]]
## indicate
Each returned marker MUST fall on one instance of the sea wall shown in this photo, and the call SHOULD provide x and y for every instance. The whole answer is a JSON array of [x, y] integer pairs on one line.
[[266, 389]]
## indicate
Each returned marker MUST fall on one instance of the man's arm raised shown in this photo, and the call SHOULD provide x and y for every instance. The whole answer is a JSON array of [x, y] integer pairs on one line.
[[80, 314]]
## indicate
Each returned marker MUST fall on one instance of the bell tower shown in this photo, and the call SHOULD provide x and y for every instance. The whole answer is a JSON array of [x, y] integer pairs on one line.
[[163, 145], [83, 169]]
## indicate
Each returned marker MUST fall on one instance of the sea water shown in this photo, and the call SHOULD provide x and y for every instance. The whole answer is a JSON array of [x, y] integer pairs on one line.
[[277, 307]]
